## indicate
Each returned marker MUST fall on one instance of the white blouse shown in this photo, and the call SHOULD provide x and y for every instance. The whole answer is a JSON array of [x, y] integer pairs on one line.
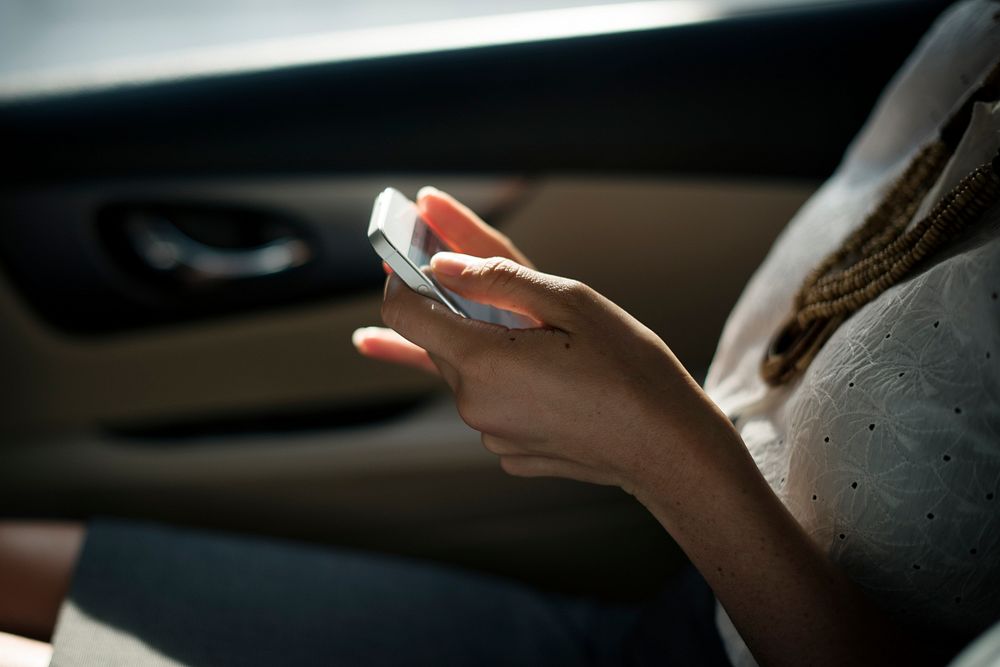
[[887, 450]]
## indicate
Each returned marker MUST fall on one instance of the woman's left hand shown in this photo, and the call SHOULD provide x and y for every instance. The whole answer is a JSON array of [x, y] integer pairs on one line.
[[588, 395]]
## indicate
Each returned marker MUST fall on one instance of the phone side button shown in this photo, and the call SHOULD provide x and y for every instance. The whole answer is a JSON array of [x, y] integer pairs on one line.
[[423, 290]]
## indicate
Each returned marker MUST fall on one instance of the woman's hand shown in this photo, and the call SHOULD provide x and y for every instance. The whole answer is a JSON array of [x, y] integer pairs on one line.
[[462, 230], [589, 395]]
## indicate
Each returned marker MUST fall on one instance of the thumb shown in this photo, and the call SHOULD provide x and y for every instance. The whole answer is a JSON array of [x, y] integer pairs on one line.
[[504, 283]]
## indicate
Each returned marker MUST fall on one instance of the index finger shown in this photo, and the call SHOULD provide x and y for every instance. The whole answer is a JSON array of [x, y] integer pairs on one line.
[[463, 229]]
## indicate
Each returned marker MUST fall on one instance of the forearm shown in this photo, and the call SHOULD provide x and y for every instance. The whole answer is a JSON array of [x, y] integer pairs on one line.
[[789, 602]]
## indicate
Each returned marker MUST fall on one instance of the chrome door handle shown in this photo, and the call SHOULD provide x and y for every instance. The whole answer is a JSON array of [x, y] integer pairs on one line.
[[164, 247]]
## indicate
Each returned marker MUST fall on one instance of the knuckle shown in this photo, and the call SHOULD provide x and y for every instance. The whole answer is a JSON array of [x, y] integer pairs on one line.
[[511, 466], [490, 444], [500, 272], [575, 294], [576, 289], [468, 410]]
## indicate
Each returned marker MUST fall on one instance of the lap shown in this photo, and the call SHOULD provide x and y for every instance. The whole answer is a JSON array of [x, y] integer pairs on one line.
[[161, 596]]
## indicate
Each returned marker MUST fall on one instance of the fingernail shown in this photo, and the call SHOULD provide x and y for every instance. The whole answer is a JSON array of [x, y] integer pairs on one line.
[[359, 335], [453, 263], [427, 190]]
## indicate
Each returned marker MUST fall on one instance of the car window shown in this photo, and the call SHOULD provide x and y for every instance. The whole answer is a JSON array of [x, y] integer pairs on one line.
[[58, 45]]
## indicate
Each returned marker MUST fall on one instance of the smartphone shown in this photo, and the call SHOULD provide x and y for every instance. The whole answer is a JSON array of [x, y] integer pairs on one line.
[[406, 242]]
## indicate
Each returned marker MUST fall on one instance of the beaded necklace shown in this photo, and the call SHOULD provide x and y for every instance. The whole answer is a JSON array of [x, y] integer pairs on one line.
[[885, 248]]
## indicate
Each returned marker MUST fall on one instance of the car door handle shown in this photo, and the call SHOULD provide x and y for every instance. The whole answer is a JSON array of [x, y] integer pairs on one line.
[[163, 247]]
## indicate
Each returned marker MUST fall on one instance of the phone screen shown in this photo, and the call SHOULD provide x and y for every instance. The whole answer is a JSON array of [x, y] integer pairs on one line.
[[424, 244]]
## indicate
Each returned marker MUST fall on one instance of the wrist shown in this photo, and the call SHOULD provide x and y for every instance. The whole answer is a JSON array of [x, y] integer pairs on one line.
[[685, 473]]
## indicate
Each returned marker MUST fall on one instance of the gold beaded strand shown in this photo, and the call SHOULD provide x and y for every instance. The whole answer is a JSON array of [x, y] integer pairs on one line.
[[883, 251]]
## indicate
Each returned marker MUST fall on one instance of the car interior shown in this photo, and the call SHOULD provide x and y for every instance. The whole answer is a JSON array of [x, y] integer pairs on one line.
[[183, 255]]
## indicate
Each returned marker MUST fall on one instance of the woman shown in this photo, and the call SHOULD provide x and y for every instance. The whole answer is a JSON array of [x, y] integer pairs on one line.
[[834, 484]]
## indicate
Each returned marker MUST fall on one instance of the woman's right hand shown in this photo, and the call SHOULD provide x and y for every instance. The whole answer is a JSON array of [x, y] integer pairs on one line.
[[466, 233]]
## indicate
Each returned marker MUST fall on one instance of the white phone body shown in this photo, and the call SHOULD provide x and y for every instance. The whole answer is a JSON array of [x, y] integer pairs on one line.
[[401, 237]]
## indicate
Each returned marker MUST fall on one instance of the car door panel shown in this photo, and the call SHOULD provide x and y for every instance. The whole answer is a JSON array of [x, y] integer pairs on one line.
[[657, 166]]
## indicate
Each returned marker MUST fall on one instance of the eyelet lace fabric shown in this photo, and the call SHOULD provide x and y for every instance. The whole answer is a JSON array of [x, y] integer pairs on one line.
[[887, 450]]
